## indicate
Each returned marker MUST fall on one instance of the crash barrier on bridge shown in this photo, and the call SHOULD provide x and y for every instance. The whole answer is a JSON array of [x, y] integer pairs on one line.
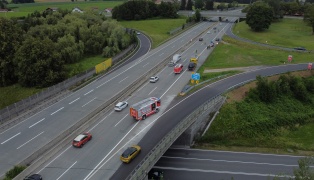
[[199, 127], [140, 172], [22, 106], [48, 151]]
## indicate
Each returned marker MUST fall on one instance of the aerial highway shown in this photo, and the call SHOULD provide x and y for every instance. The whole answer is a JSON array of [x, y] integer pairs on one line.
[[113, 130], [181, 107], [34, 132], [185, 164]]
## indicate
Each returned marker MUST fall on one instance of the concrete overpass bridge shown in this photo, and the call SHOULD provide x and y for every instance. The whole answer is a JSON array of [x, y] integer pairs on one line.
[[209, 14]]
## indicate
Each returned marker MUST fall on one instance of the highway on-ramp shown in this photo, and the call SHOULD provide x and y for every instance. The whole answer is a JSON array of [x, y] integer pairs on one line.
[[182, 107]]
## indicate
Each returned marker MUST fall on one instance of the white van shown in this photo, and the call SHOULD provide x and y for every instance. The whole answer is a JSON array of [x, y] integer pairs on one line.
[[175, 59]]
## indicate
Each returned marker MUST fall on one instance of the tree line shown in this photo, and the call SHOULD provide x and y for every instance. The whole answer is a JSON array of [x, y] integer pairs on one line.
[[261, 14], [140, 10], [35, 49]]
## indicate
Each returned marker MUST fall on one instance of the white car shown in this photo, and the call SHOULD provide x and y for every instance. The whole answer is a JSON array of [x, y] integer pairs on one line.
[[138, 33], [120, 106], [153, 79], [208, 32]]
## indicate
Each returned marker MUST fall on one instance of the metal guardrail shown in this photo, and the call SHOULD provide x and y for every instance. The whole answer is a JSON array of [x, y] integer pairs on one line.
[[20, 107], [52, 147], [140, 172]]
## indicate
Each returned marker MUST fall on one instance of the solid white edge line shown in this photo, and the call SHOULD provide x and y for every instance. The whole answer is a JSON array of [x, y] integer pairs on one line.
[[66, 170], [240, 162], [95, 169], [121, 120], [280, 155], [222, 172], [53, 159]]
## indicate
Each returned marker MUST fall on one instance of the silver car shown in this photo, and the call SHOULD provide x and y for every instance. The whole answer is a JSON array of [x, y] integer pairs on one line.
[[153, 79], [120, 106]]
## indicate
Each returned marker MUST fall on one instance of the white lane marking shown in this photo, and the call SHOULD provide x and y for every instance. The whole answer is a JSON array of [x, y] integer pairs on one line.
[[74, 100], [66, 170], [172, 85], [144, 58], [152, 91], [100, 121], [279, 155], [141, 87], [36, 122], [184, 59], [173, 46], [30, 140], [56, 111], [11, 138], [96, 168], [241, 162], [89, 102], [53, 159], [222, 172], [89, 92], [121, 120], [161, 54], [123, 79], [145, 64]]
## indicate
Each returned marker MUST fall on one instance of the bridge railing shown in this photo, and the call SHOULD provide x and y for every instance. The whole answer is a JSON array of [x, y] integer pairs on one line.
[[140, 172]]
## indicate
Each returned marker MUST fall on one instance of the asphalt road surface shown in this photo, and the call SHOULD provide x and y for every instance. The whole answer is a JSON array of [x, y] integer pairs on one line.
[[21, 140], [187, 164], [114, 131]]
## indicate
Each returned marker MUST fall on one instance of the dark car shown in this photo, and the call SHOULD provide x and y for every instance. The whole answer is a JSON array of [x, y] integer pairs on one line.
[[81, 139], [33, 177], [155, 174], [300, 48], [191, 66], [200, 39], [217, 39]]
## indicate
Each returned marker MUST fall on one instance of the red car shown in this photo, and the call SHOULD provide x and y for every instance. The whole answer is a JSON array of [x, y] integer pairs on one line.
[[81, 139]]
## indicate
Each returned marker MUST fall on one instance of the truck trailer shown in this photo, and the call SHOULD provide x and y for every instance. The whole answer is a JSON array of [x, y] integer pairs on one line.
[[145, 108]]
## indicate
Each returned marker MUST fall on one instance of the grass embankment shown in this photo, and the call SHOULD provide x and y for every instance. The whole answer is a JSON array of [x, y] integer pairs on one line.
[[20, 10], [226, 131], [157, 29], [243, 124], [286, 33]]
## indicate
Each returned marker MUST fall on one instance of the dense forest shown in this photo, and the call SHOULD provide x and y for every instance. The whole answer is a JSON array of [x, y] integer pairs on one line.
[[35, 49]]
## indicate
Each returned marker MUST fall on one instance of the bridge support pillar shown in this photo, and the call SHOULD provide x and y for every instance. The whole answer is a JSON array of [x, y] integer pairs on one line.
[[196, 129]]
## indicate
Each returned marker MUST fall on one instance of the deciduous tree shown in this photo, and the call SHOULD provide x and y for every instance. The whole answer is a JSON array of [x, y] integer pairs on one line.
[[309, 16], [11, 37], [259, 16]]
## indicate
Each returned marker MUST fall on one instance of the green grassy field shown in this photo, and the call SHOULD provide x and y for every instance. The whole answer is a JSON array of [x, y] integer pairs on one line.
[[15, 93], [157, 29], [24, 9], [232, 53], [286, 33]]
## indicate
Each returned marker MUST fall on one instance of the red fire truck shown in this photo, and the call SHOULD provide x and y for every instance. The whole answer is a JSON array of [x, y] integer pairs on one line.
[[145, 108]]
